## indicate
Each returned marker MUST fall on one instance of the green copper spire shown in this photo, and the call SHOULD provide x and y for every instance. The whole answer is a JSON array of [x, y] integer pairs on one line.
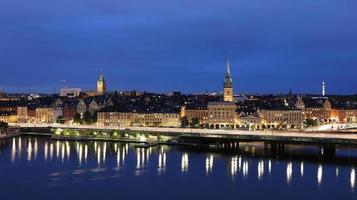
[[228, 83]]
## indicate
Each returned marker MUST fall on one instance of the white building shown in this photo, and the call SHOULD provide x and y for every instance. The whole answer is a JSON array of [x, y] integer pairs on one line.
[[70, 92]]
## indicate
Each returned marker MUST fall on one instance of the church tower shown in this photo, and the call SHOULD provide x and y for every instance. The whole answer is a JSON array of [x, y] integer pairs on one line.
[[228, 85], [101, 86]]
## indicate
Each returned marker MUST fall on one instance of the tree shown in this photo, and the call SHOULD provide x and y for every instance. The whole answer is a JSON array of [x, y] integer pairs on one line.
[[184, 122], [87, 118], [310, 122], [77, 119], [3, 127], [60, 119], [263, 126], [195, 122], [94, 117]]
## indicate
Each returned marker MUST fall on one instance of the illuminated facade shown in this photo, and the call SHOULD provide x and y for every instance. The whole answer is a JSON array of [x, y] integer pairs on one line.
[[222, 115], [47, 115], [101, 85], [200, 113], [125, 119], [344, 116], [283, 119], [319, 113], [22, 114], [8, 117]]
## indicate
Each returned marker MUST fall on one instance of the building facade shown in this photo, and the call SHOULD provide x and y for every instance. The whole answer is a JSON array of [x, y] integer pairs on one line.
[[321, 113], [70, 92], [8, 117], [125, 119], [283, 119], [222, 115], [22, 114], [45, 115], [198, 112]]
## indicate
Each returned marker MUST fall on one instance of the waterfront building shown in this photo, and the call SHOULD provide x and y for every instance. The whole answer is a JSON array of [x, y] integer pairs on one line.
[[45, 115], [70, 92], [250, 121], [199, 112], [22, 114], [228, 85], [116, 119], [344, 115], [222, 115], [127, 119], [101, 85], [320, 111], [282, 118], [8, 117]]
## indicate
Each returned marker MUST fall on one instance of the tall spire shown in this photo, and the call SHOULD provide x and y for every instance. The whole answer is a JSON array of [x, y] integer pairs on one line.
[[101, 76], [228, 66], [228, 80], [228, 84]]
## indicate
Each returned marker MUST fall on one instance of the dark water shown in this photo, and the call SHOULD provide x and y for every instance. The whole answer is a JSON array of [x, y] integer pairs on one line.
[[38, 168]]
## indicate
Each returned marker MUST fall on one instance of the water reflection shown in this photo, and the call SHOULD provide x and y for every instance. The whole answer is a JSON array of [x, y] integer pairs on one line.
[[245, 168], [353, 179], [184, 162], [46, 151], [161, 161], [29, 150], [96, 157], [269, 166], [209, 164], [260, 169], [234, 166], [13, 150], [302, 169], [289, 172], [319, 174]]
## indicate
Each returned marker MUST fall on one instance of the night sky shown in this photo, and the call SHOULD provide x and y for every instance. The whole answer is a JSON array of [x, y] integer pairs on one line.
[[169, 45]]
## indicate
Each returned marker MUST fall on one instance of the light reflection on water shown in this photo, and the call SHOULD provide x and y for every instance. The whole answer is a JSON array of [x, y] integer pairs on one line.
[[104, 154]]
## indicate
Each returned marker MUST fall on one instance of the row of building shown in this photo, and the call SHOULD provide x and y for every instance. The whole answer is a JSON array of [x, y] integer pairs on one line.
[[66, 109]]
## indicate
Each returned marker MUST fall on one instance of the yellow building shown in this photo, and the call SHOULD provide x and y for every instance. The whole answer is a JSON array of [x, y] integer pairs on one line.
[[319, 113], [45, 115], [8, 117], [222, 115], [283, 119], [198, 112], [125, 119], [22, 114]]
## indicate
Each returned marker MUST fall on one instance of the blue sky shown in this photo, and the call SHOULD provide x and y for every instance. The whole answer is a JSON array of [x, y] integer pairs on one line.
[[168, 45]]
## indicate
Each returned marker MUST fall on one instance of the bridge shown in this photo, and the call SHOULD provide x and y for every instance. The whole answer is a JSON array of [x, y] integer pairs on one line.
[[214, 135]]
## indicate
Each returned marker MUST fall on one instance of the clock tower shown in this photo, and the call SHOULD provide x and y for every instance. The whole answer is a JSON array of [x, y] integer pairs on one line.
[[101, 86], [228, 85]]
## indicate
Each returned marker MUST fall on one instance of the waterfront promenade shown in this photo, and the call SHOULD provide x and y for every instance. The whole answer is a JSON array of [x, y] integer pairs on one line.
[[265, 135]]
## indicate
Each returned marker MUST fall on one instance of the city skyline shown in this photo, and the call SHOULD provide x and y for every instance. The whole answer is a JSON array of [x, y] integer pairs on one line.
[[171, 46]]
